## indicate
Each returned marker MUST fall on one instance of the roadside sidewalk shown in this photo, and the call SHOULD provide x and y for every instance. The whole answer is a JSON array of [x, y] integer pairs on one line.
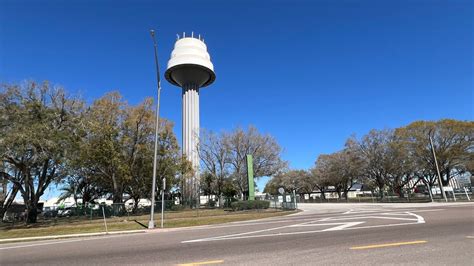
[[21, 239]]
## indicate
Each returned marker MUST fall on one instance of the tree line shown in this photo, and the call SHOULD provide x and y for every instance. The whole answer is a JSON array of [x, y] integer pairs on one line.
[[105, 149], [388, 160], [223, 160]]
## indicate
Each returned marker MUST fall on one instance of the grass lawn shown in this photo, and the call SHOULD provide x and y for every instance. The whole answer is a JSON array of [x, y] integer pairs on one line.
[[74, 225]]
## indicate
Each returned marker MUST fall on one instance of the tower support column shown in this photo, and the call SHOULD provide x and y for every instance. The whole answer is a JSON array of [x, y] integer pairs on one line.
[[190, 138]]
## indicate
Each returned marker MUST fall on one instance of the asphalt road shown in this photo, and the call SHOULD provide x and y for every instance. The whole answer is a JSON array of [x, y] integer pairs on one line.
[[324, 234]]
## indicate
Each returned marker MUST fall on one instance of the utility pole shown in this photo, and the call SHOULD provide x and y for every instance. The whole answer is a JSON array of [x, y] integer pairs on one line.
[[437, 169], [429, 190], [151, 223], [163, 202], [294, 197]]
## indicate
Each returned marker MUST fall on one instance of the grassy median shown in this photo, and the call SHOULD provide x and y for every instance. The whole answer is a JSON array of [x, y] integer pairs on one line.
[[76, 225]]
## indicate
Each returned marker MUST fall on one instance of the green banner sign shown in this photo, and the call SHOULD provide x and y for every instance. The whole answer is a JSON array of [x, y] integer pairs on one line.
[[250, 177]]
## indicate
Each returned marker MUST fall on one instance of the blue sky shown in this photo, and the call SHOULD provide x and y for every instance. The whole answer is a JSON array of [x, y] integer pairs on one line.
[[310, 73]]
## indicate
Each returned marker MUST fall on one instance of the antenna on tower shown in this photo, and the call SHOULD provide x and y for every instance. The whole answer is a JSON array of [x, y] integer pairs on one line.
[[184, 34], [199, 36], [177, 36], [192, 34]]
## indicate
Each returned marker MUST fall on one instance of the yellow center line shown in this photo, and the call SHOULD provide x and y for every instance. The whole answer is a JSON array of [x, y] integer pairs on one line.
[[390, 244], [202, 263]]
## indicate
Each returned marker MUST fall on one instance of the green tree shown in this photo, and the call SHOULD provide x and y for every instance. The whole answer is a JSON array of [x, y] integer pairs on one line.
[[214, 152], [321, 173], [137, 131], [118, 149], [79, 187], [453, 143], [207, 185], [352, 165], [402, 167], [102, 152], [375, 150], [38, 130], [264, 149], [171, 164], [292, 180]]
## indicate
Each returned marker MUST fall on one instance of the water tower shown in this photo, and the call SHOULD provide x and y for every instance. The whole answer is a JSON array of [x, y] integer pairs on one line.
[[190, 68]]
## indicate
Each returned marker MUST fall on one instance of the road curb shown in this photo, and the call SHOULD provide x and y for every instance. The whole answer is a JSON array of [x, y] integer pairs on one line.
[[21, 239]]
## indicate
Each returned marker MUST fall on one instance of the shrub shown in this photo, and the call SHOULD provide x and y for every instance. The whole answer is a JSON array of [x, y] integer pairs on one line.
[[228, 202], [211, 203], [177, 208], [250, 205], [262, 204]]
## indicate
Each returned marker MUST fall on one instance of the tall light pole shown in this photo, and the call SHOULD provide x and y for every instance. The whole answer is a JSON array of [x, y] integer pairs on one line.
[[151, 223]]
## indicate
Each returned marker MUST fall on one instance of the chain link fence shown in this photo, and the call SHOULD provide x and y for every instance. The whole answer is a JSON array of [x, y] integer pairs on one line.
[[283, 202], [92, 211], [389, 197]]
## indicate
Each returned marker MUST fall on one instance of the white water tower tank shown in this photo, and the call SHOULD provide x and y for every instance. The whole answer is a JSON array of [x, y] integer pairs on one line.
[[190, 68]]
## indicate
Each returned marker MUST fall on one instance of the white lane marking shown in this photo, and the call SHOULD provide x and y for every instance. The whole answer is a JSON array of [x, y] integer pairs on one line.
[[394, 213], [243, 223], [421, 220], [291, 233], [345, 226], [261, 231], [349, 211], [248, 223], [393, 218], [355, 211], [283, 220], [339, 225], [357, 217], [42, 244], [342, 227], [369, 217], [58, 242], [432, 210]]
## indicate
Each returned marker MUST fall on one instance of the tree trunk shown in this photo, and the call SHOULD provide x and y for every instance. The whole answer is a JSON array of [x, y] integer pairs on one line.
[[32, 213], [346, 197], [75, 199], [381, 192], [400, 192], [323, 193], [86, 197], [8, 202], [117, 197], [136, 200], [380, 185], [445, 182]]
